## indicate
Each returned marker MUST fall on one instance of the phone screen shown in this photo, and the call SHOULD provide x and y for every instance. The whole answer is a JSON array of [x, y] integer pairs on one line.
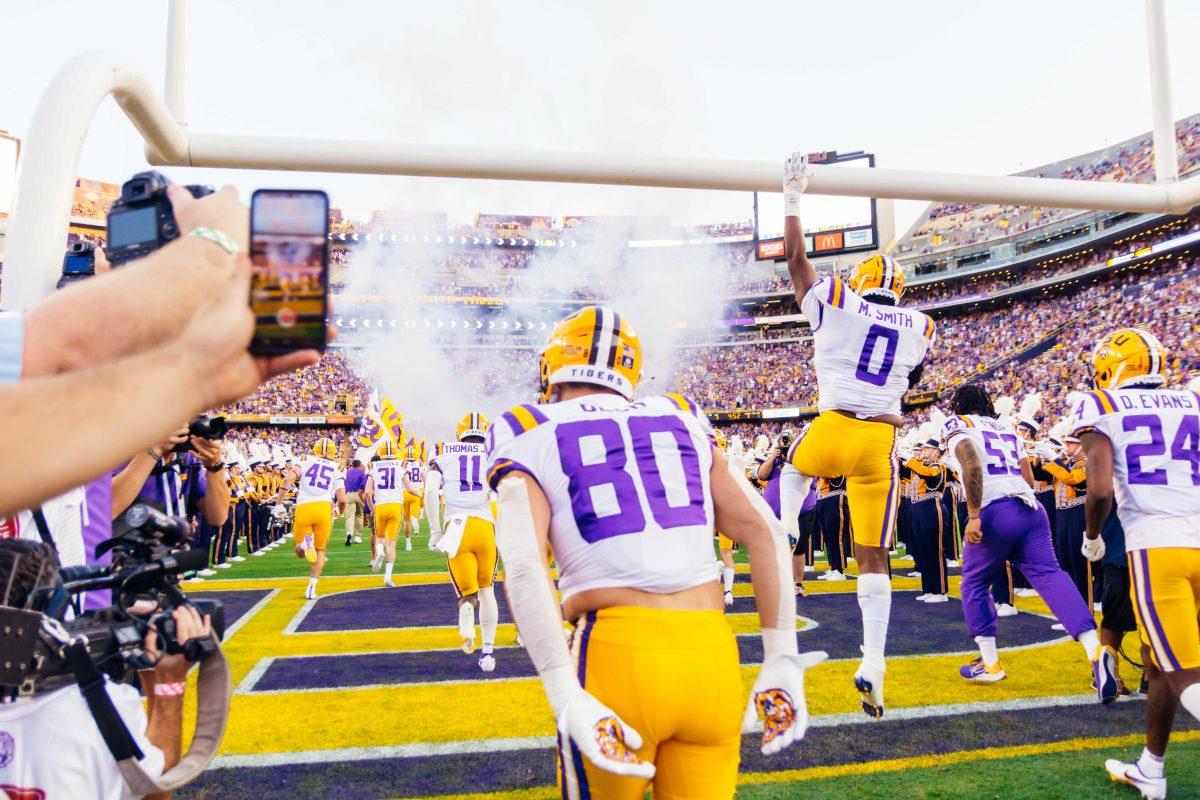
[[289, 241]]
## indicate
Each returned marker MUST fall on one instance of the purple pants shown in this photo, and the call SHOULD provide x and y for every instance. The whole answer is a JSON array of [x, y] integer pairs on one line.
[[1015, 532]]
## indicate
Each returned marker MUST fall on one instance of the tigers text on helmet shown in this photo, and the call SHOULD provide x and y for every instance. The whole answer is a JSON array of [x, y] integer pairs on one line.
[[387, 450], [595, 345], [878, 275], [473, 424], [1128, 357], [325, 448]]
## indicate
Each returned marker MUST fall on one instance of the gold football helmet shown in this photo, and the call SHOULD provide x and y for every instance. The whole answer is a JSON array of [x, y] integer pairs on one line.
[[325, 448], [387, 450], [595, 345], [1128, 356], [878, 275], [473, 424]]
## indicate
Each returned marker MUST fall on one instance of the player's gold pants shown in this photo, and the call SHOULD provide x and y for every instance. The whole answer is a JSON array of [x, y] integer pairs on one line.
[[1166, 600], [313, 518], [387, 519], [724, 542], [474, 566], [412, 505], [674, 677], [865, 452]]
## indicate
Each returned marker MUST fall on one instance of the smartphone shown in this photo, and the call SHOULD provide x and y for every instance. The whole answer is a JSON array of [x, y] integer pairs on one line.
[[289, 277]]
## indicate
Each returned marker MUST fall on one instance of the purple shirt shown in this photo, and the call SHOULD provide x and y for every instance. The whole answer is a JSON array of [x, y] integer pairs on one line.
[[810, 501], [356, 479], [771, 490], [97, 527], [166, 486]]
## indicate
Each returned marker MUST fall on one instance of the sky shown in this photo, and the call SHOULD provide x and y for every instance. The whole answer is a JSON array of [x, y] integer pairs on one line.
[[925, 84]]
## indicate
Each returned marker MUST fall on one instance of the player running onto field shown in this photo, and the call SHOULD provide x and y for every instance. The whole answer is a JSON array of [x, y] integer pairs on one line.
[[1143, 447], [627, 494], [867, 353]]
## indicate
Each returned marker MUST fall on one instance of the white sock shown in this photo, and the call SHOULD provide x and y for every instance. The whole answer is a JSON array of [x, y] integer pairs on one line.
[[1150, 764], [378, 549], [727, 577], [489, 617], [387, 571], [466, 621], [987, 649], [1189, 698], [875, 601], [312, 584], [1091, 643]]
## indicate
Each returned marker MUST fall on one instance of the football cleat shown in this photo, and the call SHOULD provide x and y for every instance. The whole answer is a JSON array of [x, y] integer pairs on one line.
[[349, 537], [868, 680], [468, 646], [801, 590], [310, 550], [1104, 674], [938, 598], [358, 540], [238, 558], [1150, 788], [310, 593], [487, 662], [1006, 610], [1126, 357], [833, 575], [728, 599], [376, 563], [408, 544], [914, 574], [388, 582], [979, 672], [921, 598], [1026, 593], [594, 345]]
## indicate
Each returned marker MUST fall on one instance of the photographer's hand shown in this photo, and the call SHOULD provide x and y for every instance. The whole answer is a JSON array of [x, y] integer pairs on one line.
[[221, 211], [208, 451], [188, 625], [178, 437]]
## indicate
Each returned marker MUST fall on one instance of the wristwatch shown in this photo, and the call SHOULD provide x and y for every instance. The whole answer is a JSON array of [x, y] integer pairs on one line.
[[217, 467]]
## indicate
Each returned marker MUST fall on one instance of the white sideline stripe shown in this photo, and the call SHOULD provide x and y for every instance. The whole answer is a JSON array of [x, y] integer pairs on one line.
[[480, 746], [254, 609]]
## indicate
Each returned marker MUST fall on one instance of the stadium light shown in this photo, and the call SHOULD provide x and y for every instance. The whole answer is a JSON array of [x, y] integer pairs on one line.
[[50, 159]]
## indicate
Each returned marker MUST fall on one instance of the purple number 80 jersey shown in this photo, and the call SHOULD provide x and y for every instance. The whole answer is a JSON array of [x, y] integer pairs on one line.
[[628, 486]]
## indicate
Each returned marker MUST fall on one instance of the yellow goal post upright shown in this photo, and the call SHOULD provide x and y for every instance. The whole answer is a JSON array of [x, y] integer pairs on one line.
[[50, 153]]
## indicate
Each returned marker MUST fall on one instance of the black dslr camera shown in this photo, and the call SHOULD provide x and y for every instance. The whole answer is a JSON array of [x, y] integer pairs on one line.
[[78, 263], [203, 427], [142, 220], [147, 562]]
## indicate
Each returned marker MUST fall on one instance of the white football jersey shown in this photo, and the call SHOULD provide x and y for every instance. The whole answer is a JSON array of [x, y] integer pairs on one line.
[[1155, 435], [415, 473], [319, 480], [1000, 453], [863, 351], [464, 490], [628, 487], [386, 478], [50, 746]]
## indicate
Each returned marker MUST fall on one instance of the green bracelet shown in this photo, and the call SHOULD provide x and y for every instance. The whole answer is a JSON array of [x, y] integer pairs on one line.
[[214, 235]]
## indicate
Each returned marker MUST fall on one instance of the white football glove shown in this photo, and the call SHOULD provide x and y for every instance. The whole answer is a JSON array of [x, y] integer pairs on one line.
[[778, 700], [602, 737], [796, 173], [1093, 549]]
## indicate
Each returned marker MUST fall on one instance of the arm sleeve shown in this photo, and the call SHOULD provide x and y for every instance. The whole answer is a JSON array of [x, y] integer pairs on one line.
[[794, 489], [1086, 412], [921, 468], [506, 454], [1072, 476], [812, 306], [954, 428]]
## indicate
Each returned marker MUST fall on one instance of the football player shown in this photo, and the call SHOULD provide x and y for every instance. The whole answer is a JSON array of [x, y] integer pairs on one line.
[[385, 493], [468, 535], [1142, 442], [1006, 523], [414, 495], [628, 494], [867, 352], [319, 486]]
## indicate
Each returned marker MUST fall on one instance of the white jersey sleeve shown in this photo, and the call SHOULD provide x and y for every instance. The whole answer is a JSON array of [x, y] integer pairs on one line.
[[319, 480], [863, 352], [628, 487], [464, 489], [387, 481], [1000, 454], [1155, 435]]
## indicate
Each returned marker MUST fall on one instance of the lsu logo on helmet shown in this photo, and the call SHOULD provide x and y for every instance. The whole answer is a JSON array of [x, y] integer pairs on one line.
[[595, 345], [473, 424], [325, 448], [387, 450], [880, 276], [1128, 356]]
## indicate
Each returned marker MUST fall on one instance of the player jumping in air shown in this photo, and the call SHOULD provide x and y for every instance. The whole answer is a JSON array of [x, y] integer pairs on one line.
[[627, 494], [867, 353]]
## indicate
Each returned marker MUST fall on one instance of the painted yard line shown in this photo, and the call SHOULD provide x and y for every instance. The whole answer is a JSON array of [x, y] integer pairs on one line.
[[547, 742], [257, 607]]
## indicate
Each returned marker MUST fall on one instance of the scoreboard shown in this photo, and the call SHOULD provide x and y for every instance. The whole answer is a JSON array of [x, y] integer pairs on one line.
[[832, 225]]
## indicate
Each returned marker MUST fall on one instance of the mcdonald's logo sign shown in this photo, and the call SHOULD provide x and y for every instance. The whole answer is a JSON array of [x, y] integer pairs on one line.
[[827, 241]]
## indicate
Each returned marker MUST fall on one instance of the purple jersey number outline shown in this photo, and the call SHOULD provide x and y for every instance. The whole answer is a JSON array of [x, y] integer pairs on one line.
[[1013, 449], [319, 476], [387, 477], [583, 478], [864, 373], [472, 484], [1181, 450]]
